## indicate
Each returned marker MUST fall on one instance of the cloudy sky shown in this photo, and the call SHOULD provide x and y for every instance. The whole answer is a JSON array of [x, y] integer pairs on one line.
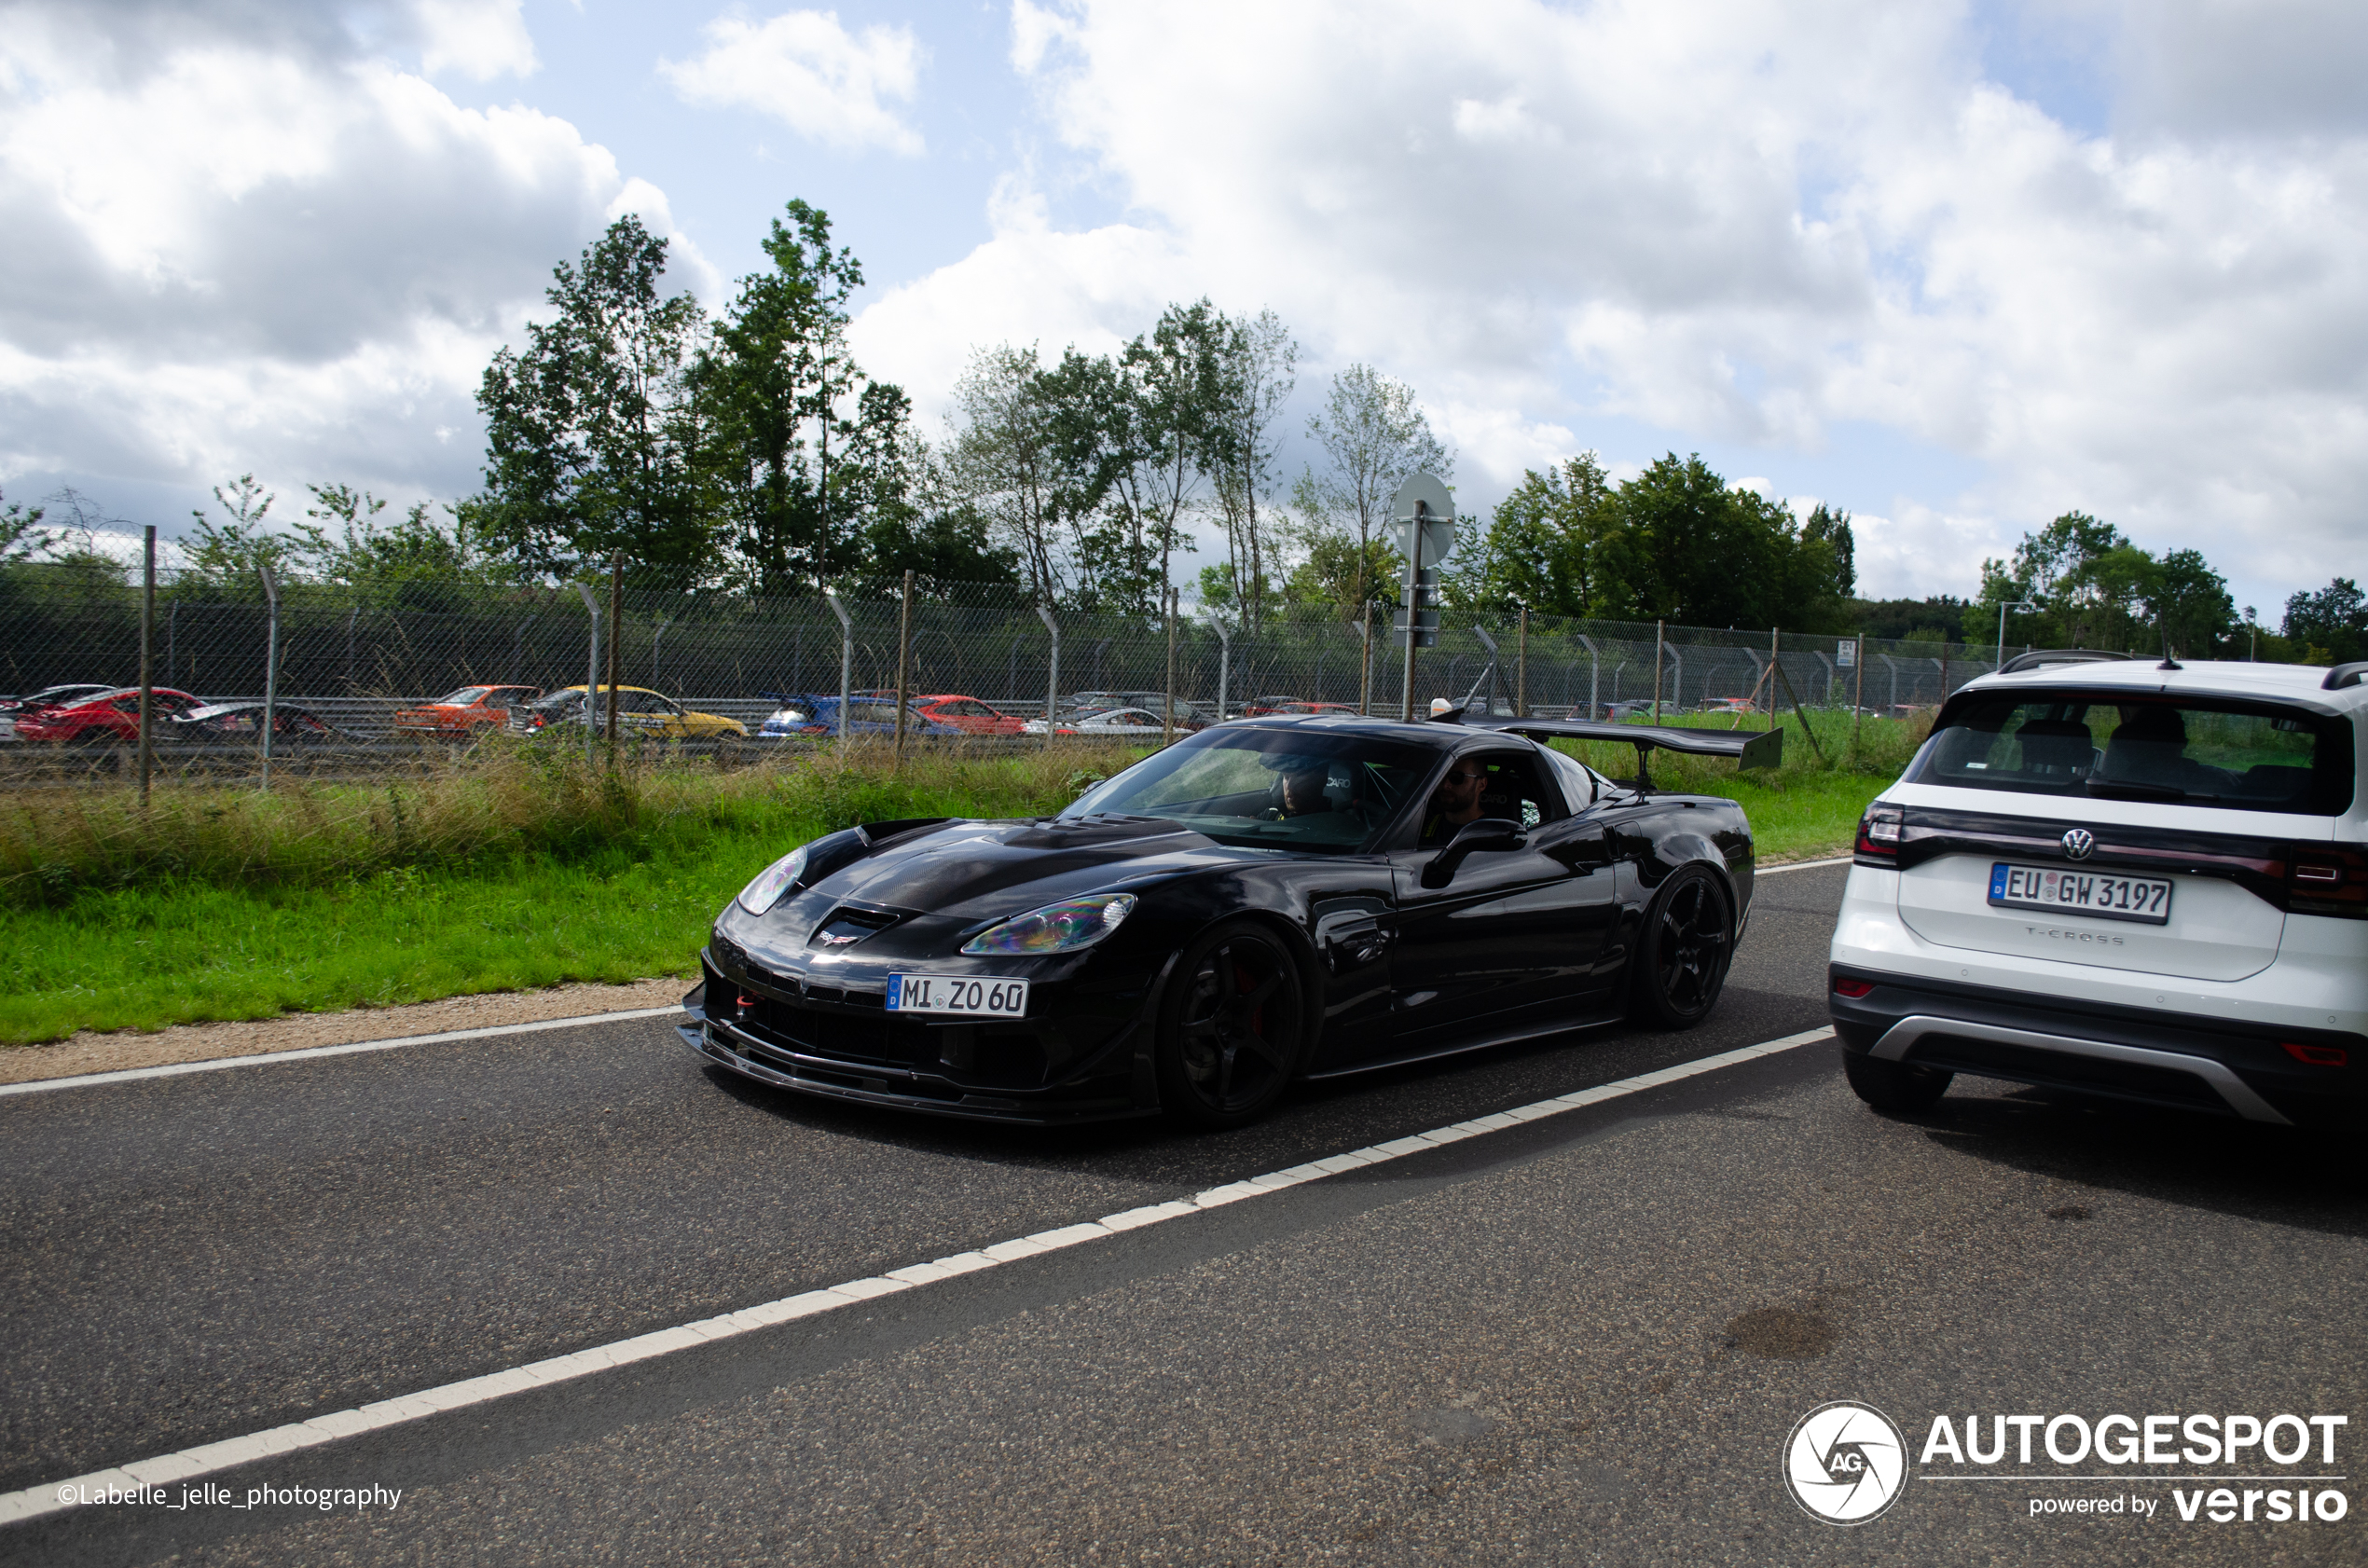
[[1954, 267]]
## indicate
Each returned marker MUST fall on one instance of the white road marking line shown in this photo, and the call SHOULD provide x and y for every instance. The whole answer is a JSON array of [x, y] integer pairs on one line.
[[314, 1052], [58, 1496], [1800, 865]]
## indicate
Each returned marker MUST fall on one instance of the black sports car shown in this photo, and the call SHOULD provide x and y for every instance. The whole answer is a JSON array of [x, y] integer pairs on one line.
[[1267, 899]]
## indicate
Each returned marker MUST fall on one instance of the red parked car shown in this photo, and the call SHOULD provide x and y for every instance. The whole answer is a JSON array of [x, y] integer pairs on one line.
[[105, 719], [464, 714], [967, 714]]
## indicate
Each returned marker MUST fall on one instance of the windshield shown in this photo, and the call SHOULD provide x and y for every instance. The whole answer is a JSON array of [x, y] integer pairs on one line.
[[2245, 756], [1269, 788], [464, 697]]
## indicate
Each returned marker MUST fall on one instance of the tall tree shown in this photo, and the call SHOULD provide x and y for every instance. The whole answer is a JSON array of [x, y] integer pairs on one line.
[[1004, 464], [1259, 363], [226, 550], [1372, 434], [1554, 544], [1178, 374], [593, 437], [22, 535], [774, 382]]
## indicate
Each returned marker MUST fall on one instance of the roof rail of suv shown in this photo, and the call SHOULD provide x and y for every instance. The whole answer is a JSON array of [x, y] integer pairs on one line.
[[2040, 656], [2344, 675]]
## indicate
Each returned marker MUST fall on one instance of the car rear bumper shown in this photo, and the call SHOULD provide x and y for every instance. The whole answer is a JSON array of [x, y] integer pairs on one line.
[[2153, 1057]]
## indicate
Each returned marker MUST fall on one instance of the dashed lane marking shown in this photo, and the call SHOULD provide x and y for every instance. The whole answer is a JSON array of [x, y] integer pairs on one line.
[[58, 1496]]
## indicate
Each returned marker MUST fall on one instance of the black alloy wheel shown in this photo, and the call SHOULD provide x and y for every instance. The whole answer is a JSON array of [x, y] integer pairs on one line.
[[1231, 1031], [1687, 943]]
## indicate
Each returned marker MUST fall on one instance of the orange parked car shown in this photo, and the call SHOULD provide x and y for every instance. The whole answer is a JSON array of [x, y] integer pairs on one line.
[[967, 714], [464, 714]]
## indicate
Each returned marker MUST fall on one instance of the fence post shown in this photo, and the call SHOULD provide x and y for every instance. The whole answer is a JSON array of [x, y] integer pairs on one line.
[[591, 673], [1858, 695], [1365, 668], [271, 668], [1167, 715], [616, 643], [1594, 676], [1225, 656], [1894, 681], [148, 652], [659, 630], [1520, 667], [1053, 681], [1488, 675], [1772, 657], [903, 662], [846, 655], [1658, 646]]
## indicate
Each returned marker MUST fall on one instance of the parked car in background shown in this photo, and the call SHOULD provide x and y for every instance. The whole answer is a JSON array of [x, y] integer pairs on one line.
[[1739, 707], [464, 714], [244, 722], [813, 716], [1267, 705], [111, 717], [51, 696], [639, 711], [965, 714], [1126, 723]]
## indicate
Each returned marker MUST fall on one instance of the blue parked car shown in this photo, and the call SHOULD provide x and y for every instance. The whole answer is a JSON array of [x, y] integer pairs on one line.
[[814, 716]]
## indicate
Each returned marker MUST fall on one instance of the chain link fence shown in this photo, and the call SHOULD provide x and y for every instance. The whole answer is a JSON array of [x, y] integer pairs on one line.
[[354, 659]]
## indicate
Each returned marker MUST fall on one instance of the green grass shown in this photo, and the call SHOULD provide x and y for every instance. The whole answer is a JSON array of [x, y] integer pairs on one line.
[[500, 881], [523, 869]]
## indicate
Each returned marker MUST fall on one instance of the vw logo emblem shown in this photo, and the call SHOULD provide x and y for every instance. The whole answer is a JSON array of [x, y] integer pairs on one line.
[[2079, 843]]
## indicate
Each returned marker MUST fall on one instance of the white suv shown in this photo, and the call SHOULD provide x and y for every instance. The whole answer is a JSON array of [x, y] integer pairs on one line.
[[2142, 880]]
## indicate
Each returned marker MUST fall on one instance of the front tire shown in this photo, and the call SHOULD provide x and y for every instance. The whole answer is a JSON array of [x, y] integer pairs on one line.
[[1685, 949], [1231, 1029], [1894, 1087]]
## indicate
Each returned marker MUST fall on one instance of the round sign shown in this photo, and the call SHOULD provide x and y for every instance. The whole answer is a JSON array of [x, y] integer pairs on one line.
[[1437, 515], [1845, 1463]]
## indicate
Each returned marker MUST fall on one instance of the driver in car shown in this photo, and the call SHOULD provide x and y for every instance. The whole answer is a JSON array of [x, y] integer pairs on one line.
[[1455, 802], [1304, 792]]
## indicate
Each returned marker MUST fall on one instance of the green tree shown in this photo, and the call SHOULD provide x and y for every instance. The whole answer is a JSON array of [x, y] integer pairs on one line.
[[774, 384], [1555, 544], [1177, 372], [2330, 624], [1004, 464], [1258, 366], [228, 551], [2189, 603], [415, 562], [1374, 434], [22, 536], [593, 435]]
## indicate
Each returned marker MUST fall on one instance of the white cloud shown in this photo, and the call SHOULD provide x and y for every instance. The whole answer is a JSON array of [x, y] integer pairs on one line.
[[256, 250], [480, 39], [1745, 225], [806, 70]]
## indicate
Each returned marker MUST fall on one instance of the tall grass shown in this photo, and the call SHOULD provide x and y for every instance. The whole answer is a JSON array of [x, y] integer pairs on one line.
[[482, 809]]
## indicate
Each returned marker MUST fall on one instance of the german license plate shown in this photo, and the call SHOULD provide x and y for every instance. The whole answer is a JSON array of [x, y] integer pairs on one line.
[[978, 996], [2102, 894]]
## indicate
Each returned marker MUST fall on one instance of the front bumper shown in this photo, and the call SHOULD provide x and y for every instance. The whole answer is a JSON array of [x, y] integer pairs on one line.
[[2148, 1057], [1076, 1058]]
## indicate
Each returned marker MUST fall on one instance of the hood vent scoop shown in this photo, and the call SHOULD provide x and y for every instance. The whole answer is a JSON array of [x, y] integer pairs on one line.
[[846, 927]]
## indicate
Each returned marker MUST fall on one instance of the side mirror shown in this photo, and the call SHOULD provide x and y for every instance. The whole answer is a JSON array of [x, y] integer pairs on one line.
[[1490, 834]]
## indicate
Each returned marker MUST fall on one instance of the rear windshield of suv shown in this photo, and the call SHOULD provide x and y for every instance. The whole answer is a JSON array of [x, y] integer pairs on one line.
[[2239, 755]]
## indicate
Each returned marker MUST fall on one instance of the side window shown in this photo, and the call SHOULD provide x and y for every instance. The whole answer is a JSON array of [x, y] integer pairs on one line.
[[1578, 785], [1514, 791]]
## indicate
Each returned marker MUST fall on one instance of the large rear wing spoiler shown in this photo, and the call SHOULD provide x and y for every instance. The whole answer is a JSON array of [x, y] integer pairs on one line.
[[1750, 748]]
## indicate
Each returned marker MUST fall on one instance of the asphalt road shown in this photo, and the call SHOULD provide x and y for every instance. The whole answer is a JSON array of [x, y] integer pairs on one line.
[[1584, 1339]]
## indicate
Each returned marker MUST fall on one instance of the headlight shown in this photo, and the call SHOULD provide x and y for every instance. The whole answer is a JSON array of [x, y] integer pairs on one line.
[[772, 882], [1060, 927]]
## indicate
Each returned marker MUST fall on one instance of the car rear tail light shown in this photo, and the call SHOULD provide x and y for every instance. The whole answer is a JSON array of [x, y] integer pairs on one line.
[[2321, 880], [1878, 832], [1854, 989]]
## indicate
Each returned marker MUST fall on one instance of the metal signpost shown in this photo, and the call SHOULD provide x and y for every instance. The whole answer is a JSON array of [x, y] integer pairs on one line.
[[1423, 526], [271, 668]]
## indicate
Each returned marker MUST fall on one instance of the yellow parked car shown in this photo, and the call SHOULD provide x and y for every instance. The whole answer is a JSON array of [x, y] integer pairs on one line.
[[639, 711]]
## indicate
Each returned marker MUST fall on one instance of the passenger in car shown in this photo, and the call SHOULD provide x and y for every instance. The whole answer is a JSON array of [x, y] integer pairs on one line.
[[2150, 747]]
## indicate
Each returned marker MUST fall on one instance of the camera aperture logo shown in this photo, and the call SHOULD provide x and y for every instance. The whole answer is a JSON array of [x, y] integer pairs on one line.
[[1845, 1463]]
